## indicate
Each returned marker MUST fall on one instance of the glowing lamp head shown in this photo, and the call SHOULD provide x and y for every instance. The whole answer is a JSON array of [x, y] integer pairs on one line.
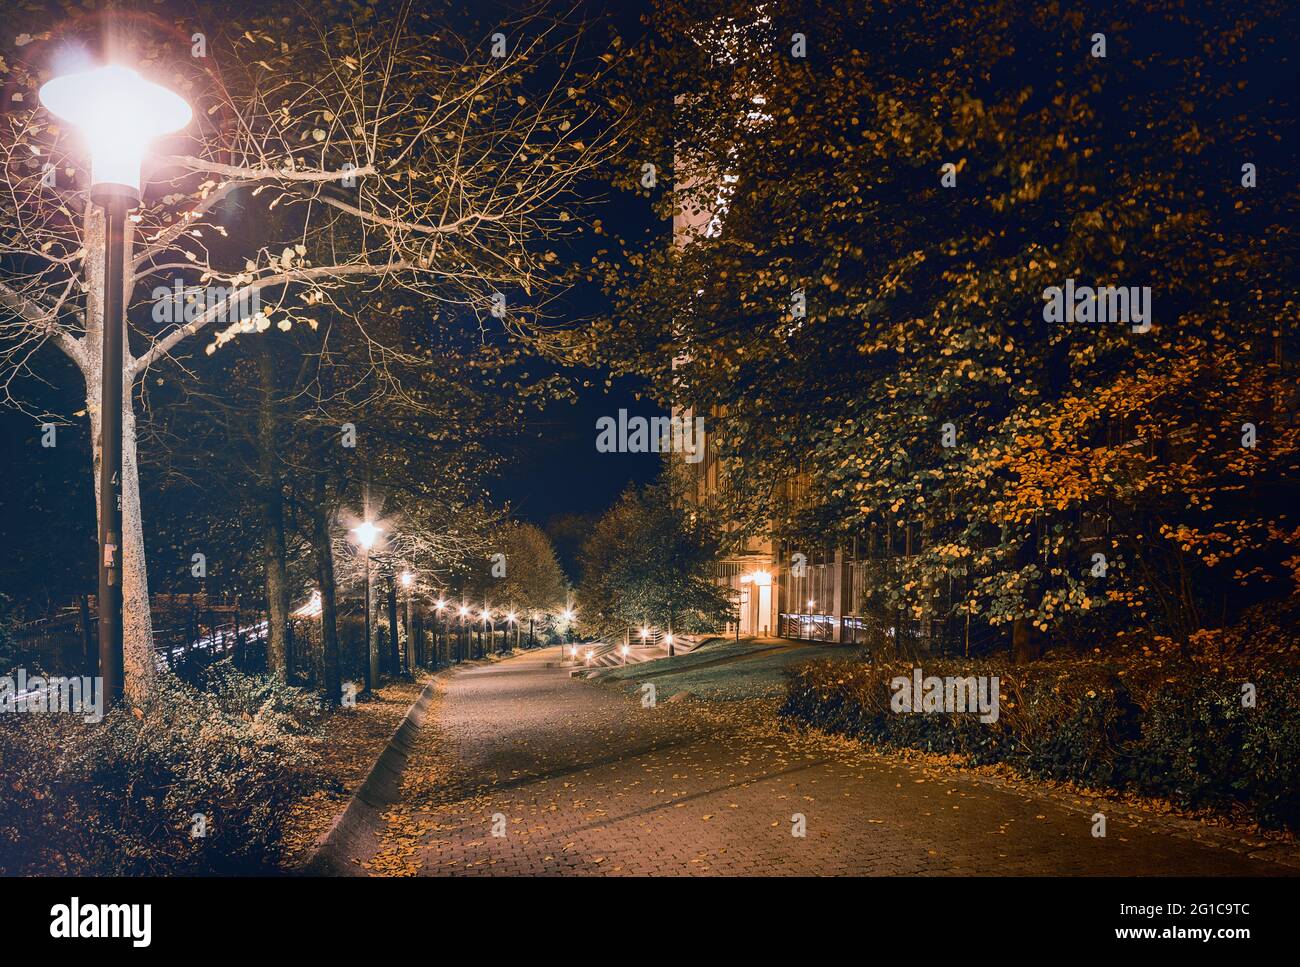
[[463, 611], [407, 578], [811, 603], [645, 633], [440, 604], [568, 614], [625, 650], [511, 617], [668, 638], [119, 114], [367, 533]]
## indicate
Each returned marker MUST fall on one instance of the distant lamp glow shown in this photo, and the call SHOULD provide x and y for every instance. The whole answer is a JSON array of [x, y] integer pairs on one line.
[[811, 603], [367, 533], [645, 633], [118, 114], [567, 614], [463, 611], [311, 609], [407, 578], [625, 650], [511, 617], [440, 604], [668, 638]]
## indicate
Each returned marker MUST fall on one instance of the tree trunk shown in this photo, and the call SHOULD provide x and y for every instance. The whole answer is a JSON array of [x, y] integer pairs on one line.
[[139, 661], [1026, 642], [90, 648], [331, 674], [394, 655], [273, 543]]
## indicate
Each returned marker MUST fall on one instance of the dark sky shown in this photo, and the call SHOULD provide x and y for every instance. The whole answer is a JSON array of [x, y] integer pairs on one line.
[[557, 469]]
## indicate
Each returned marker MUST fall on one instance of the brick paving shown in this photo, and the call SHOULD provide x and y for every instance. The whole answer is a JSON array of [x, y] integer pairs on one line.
[[581, 779]]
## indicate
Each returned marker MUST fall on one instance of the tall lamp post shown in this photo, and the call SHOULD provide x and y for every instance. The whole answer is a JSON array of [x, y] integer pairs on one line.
[[367, 533], [464, 638], [407, 580], [118, 114], [439, 625]]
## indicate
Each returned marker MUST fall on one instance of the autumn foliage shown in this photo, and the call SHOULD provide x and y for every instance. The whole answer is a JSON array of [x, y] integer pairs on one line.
[[1062, 479]]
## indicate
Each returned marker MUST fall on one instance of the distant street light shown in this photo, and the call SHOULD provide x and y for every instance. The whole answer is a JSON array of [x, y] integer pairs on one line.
[[568, 615], [407, 580], [118, 114], [625, 651], [439, 624], [366, 534]]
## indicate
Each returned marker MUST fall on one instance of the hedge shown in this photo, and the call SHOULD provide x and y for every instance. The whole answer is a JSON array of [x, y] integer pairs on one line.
[[1178, 732]]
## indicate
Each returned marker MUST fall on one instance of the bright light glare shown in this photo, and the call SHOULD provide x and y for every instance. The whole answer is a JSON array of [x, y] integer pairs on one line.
[[367, 533], [407, 578], [440, 604], [463, 611], [311, 609], [118, 114]]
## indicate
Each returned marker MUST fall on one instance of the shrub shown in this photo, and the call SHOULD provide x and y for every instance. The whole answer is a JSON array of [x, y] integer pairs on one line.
[[122, 796], [1179, 732]]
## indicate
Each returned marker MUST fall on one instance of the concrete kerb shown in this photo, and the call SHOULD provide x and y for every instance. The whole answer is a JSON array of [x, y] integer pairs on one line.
[[355, 831]]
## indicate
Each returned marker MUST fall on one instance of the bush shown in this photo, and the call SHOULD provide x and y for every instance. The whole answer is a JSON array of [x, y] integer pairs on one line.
[[1180, 733], [129, 795]]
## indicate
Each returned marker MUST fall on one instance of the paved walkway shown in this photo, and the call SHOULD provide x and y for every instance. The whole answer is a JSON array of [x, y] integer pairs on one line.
[[579, 778]]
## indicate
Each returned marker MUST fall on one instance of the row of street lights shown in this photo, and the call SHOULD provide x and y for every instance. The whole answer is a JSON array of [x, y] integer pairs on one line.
[[366, 535]]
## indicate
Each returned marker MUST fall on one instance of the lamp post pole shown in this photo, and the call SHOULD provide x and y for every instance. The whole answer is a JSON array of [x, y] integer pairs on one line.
[[118, 114], [116, 201], [370, 653]]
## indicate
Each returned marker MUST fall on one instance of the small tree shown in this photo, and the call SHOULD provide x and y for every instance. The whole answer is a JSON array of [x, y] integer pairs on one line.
[[651, 558]]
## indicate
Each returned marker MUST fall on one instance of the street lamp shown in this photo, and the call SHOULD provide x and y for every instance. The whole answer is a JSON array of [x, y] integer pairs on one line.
[[568, 616], [407, 580], [119, 114], [625, 651], [464, 637], [367, 533], [438, 607]]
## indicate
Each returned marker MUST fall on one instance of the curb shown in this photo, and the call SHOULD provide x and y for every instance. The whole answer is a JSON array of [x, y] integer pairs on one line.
[[356, 828]]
